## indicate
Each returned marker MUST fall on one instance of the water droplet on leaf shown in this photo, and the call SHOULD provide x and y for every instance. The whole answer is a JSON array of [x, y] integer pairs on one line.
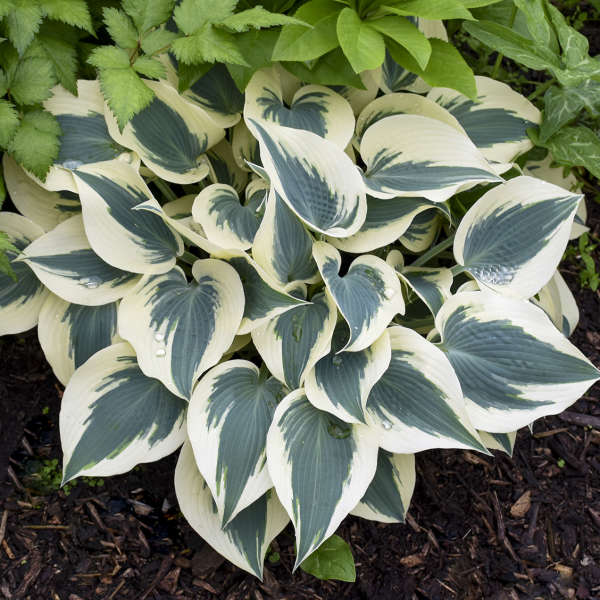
[[386, 425], [159, 337], [161, 352]]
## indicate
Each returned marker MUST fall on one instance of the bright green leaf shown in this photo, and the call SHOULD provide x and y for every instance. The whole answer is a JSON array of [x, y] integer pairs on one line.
[[22, 23], [158, 41], [192, 15], [575, 45], [257, 48], [297, 42], [148, 13], [405, 33], [363, 46], [332, 560], [429, 9], [149, 67], [120, 27], [36, 142], [63, 56], [32, 80], [6, 246], [208, 45], [9, 121], [71, 12], [257, 18]]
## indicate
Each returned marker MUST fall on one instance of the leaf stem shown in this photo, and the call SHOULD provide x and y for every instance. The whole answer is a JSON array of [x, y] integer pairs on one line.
[[166, 191], [541, 88], [433, 251], [188, 258]]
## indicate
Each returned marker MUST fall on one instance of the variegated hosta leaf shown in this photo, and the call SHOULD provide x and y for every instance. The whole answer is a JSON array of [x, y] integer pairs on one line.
[[113, 417], [556, 175], [368, 296], [244, 147], [229, 415], [388, 497], [218, 95], [181, 329], [412, 155], [245, 540], [512, 363], [499, 441], [496, 122], [422, 231], [46, 209], [138, 241], [512, 239], [321, 468], [282, 246], [291, 343], [386, 221], [85, 138], [70, 333], [403, 104], [224, 219], [265, 299], [64, 262], [224, 168], [313, 108], [395, 78], [358, 98], [171, 135], [20, 300], [340, 382], [431, 285], [417, 403], [314, 177]]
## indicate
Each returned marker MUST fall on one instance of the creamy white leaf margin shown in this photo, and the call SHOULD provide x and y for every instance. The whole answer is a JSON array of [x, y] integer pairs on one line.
[[417, 404], [20, 300], [291, 343], [313, 108], [557, 300], [368, 296], [171, 135], [113, 417], [181, 329], [245, 540], [413, 155], [513, 365], [497, 121], [229, 415], [388, 496], [297, 161], [138, 241], [499, 441], [224, 168], [422, 231], [340, 383], [512, 239], [320, 466], [46, 209], [69, 334], [64, 262]]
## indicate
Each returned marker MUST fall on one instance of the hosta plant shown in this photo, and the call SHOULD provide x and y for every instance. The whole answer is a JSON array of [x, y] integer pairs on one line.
[[304, 288]]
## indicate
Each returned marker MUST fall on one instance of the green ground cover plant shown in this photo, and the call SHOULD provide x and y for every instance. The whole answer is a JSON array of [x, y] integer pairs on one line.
[[301, 240]]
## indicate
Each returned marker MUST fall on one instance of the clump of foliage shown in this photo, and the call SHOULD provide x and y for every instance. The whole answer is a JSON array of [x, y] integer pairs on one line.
[[303, 285]]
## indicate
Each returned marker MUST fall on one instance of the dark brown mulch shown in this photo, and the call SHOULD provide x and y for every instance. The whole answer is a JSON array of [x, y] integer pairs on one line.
[[479, 527]]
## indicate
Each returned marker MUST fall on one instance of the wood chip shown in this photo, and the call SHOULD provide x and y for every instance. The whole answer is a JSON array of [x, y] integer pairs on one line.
[[521, 507], [205, 586], [412, 560]]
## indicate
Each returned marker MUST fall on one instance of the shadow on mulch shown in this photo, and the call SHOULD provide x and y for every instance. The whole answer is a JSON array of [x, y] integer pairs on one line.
[[479, 527]]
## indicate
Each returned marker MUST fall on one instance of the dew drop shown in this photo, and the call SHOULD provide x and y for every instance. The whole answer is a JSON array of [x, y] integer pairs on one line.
[[159, 337], [161, 352], [386, 425], [90, 282]]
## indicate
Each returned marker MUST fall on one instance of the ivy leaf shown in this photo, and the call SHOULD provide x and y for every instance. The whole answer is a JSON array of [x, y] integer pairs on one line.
[[576, 146], [446, 67], [332, 560], [405, 33], [562, 105], [363, 46], [192, 15], [120, 27], [71, 12], [575, 46], [22, 23], [158, 40], [32, 80], [150, 67], [257, 18], [208, 45], [300, 43], [122, 87], [148, 13], [35, 143], [6, 246], [9, 121]]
